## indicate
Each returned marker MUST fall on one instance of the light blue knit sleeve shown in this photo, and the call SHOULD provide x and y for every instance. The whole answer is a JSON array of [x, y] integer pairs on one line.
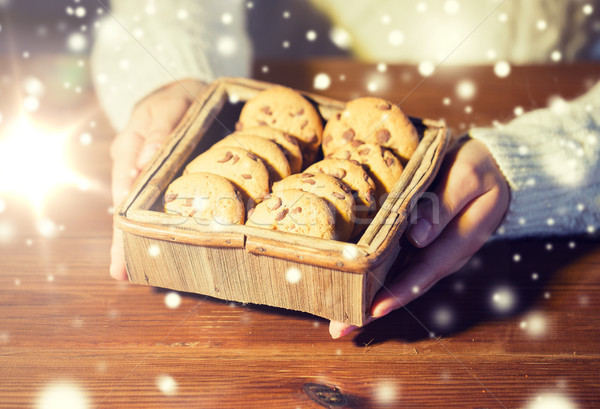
[[551, 159], [141, 46]]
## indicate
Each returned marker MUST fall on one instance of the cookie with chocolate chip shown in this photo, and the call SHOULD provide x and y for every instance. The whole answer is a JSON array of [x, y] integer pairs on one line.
[[294, 211], [206, 197], [380, 163], [335, 192], [244, 169], [269, 152], [287, 143], [372, 120], [287, 110], [358, 180]]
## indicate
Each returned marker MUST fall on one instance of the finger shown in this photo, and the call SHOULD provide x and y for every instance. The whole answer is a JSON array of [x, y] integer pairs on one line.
[[124, 152], [163, 117], [449, 252], [436, 209], [117, 257], [339, 329]]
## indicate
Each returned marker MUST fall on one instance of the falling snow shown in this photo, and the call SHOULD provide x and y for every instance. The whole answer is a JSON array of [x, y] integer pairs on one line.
[[350, 252], [466, 89], [551, 401], [321, 81], [426, 68], [502, 69], [293, 275], [153, 250], [503, 300], [62, 395], [172, 300], [340, 37], [166, 384]]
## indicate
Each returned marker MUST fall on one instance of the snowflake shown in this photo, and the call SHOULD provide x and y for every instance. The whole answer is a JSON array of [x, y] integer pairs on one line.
[[446, 101], [33, 86], [321, 81], [556, 56], [153, 250], [588, 9], [502, 69], [443, 317], [182, 14], [80, 12], [426, 68], [518, 111], [226, 45], [226, 18], [541, 25], [451, 7], [77, 42], [503, 300], [385, 392], [293, 275], [166, 384], [31, 103], [172, 300], [466, 89], [551, 401], [311, 35], [340, 37], [62, 395], [396, 38]]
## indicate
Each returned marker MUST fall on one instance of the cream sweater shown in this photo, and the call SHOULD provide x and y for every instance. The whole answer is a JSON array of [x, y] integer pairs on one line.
[[550, 157]]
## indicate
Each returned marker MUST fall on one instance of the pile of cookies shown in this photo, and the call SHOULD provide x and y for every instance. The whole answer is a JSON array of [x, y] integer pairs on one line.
[[265, 174]]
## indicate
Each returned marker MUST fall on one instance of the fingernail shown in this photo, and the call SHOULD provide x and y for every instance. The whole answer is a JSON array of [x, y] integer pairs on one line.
[[382, 312], [147, 153], [420, 232]]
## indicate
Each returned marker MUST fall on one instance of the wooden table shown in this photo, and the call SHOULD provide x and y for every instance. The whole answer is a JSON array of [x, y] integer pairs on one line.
[[70, 333]]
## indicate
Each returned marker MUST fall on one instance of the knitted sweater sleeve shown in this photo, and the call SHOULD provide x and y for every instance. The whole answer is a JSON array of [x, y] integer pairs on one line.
[[141, 46], [551, 159]]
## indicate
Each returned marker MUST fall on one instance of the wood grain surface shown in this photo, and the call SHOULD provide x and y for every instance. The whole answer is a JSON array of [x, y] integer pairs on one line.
[[71, 335]]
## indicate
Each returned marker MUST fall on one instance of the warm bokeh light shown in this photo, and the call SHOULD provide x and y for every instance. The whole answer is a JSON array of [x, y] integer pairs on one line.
[[33, 161]]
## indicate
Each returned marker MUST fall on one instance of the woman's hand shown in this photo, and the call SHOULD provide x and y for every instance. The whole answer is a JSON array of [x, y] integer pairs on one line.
[[473, 197], [150, 124]]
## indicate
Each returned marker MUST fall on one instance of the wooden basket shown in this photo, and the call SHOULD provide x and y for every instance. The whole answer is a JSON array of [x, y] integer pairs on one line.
[[328, 278]]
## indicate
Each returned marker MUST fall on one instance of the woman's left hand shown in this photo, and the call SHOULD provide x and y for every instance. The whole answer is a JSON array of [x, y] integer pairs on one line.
[[473, 198]]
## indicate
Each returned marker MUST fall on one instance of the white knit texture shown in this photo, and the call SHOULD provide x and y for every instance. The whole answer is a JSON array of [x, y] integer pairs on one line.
[[551, 159], [143, 45]]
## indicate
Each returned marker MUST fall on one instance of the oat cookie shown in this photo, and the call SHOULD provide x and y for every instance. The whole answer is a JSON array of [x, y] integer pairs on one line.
[[372, 120], [335, 192], [287, 110], [287, 143], [381, 164], [294, 211], [207, 197], [242, 168], [270, 153], [358, 180]]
